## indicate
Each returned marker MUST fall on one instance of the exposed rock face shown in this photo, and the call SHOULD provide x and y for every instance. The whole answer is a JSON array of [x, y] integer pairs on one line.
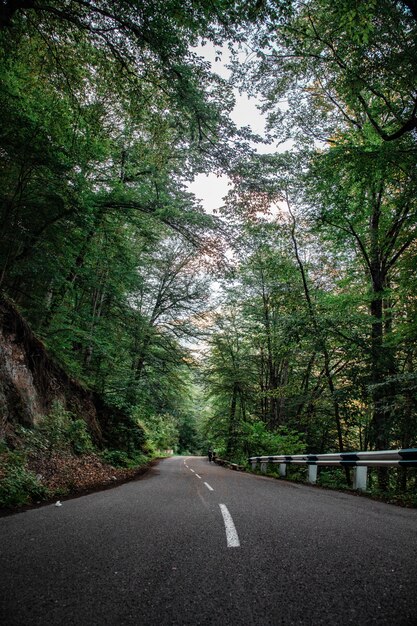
[[30, 381]]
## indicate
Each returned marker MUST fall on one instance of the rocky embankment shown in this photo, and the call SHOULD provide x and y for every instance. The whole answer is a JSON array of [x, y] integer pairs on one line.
[[38, 458]]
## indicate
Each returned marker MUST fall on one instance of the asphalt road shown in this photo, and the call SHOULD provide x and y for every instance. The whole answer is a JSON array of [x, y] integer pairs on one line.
[[161, 551]]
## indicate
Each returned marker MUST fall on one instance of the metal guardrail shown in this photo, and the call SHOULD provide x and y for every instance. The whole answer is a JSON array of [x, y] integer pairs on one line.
[[360, 461]]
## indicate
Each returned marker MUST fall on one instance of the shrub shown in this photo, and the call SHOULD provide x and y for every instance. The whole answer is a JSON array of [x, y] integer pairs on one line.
[[122, 431], [79, 437], [18, 485], [57, 432], [117, 458], [334, 477], [120, 458], [53, 429], [261, 441], [162, 430]]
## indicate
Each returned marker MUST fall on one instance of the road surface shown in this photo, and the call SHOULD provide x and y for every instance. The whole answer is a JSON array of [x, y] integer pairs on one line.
[[193, 543]]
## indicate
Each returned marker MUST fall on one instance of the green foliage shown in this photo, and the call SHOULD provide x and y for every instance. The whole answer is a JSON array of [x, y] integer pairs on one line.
[[253, 438], [58, 432], [324, 291], [79, 437], [190, 440], [124, 433], [108, 114], [334, 478], [262, 441], [101, 245], [119, 458], [18, 485], [52, 431], [162, 431]]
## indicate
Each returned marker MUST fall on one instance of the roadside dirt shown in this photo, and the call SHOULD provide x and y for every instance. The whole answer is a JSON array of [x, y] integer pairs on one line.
[[71, 477]]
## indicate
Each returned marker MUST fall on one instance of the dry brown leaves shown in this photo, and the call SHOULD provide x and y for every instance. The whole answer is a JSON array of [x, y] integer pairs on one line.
[[64, 474]]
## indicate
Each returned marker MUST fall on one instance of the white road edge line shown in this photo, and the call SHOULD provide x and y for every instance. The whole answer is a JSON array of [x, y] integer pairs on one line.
[[198, 475], [231, 533], [192, 470], [208, 487]]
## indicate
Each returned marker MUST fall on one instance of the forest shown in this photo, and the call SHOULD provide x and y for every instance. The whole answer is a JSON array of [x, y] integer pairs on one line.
[[285, 321]]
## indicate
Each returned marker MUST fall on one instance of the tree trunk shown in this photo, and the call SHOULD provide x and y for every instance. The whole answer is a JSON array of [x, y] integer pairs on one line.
[[61, 292], [321, 339], [231, 439]]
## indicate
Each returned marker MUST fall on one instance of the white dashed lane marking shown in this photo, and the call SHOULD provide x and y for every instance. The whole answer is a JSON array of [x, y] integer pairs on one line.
[[231, 533], [232, 538]]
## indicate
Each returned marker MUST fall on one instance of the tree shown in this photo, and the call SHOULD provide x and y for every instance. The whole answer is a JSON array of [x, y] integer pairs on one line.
[[229, 379], [338, 80], [107, 113], [371, 204], [336, 64], [167, 306]]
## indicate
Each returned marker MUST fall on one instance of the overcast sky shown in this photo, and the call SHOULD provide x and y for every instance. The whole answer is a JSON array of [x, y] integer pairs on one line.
[[211, 188]]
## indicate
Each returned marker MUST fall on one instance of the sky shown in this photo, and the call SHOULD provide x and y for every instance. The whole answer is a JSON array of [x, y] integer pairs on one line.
[[211, 189]]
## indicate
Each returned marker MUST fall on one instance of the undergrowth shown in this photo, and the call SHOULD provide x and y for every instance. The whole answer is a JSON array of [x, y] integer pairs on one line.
[[18, 485], [335, 478], [120, 458], [57, 457]]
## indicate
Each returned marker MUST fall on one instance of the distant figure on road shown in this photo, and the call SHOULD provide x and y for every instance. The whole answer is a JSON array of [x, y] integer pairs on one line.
[[210, 454], [213, 455]]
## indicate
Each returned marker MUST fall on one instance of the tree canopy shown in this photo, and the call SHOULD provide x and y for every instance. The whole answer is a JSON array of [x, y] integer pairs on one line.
[[109, 112]]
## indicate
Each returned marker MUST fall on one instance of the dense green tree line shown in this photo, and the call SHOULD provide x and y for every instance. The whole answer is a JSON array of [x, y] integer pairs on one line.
[[325, 288], [107, 114]]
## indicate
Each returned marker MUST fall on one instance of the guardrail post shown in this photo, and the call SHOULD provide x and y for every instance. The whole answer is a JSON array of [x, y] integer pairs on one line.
[[360, 461], [360, 477], [312, 474]]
